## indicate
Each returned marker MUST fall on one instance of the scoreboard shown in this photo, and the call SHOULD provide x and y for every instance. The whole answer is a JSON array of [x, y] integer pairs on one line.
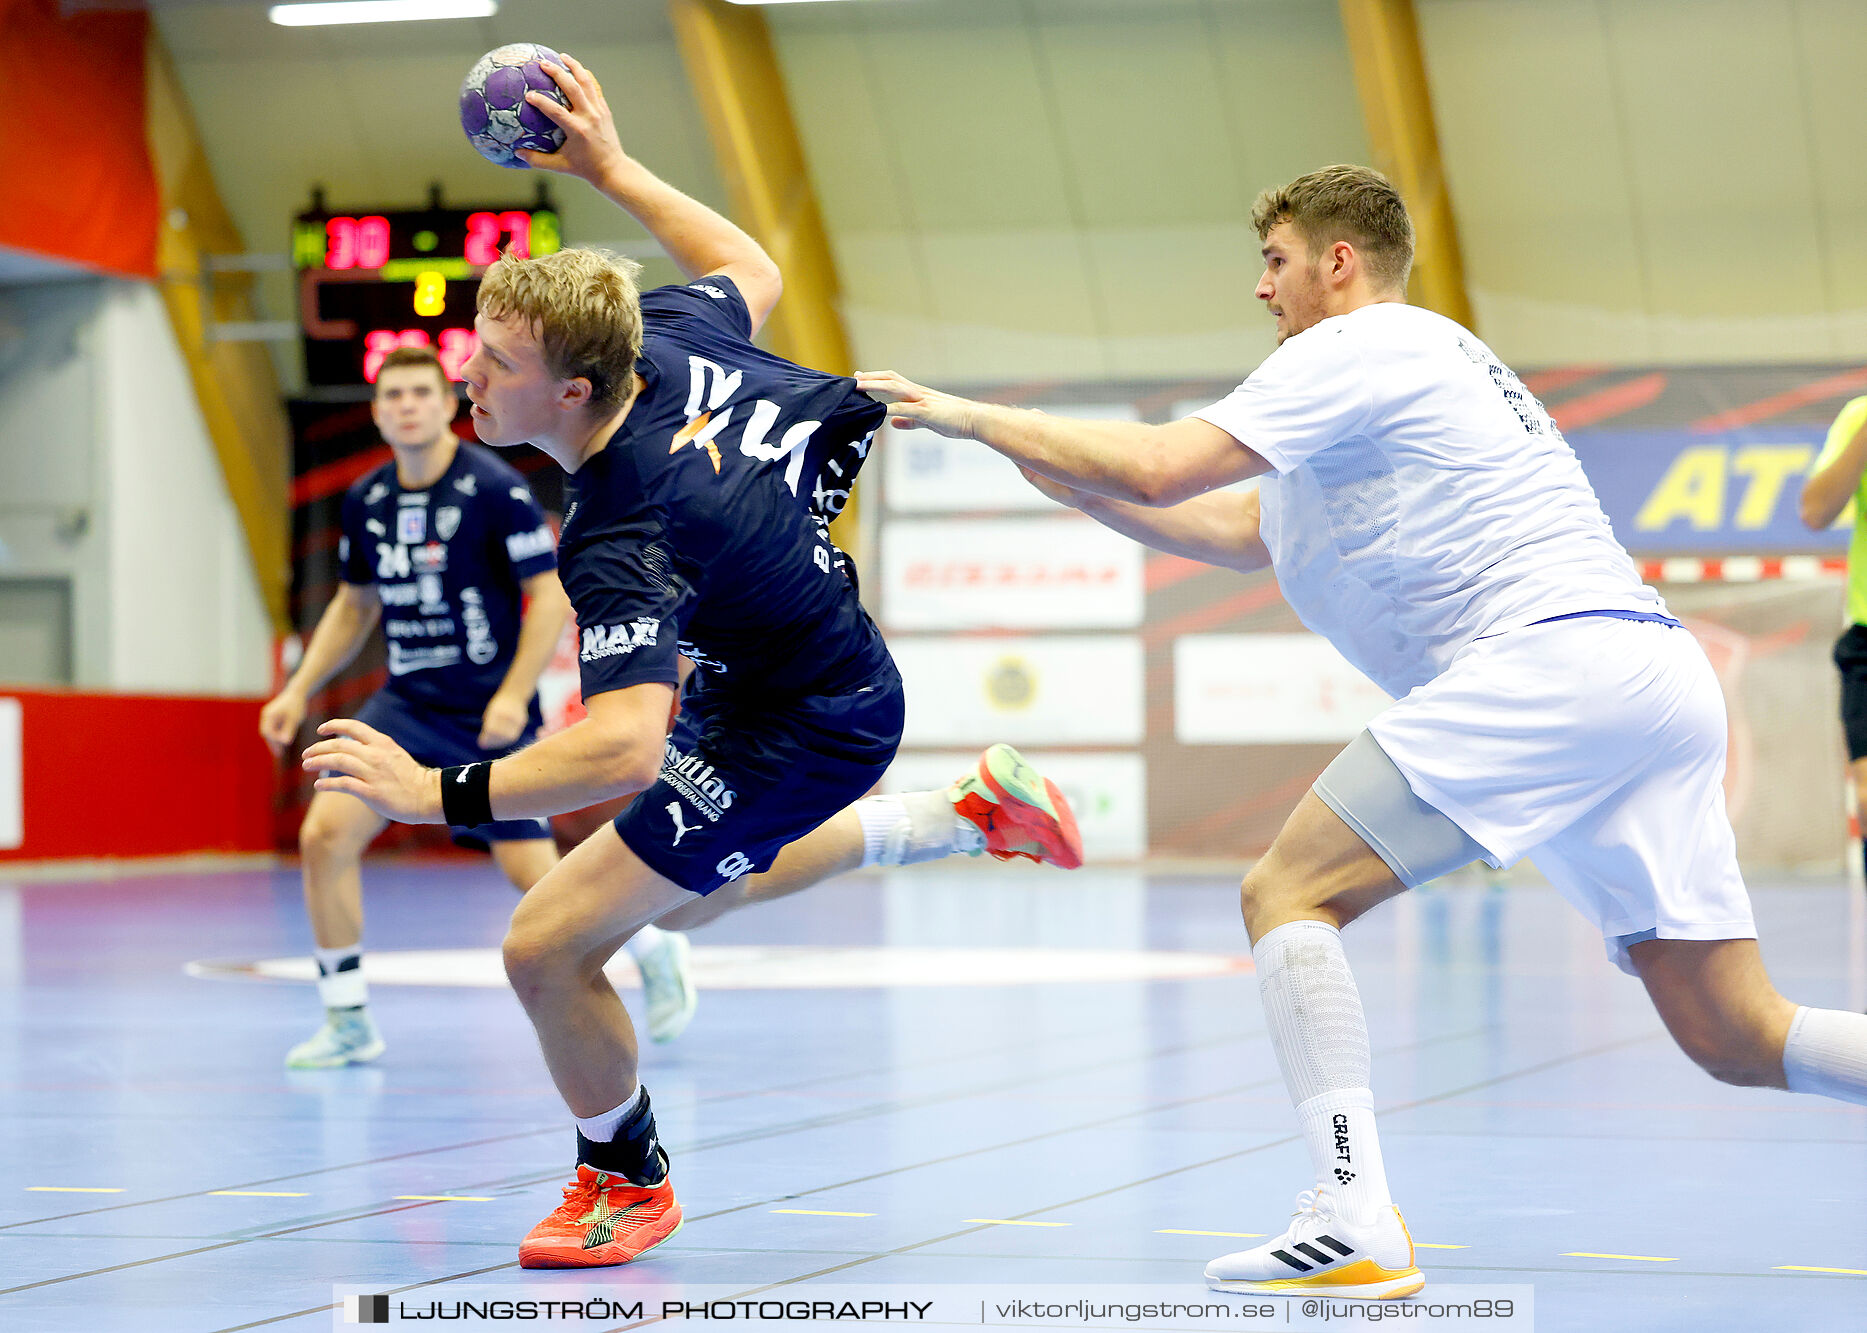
[[369, 283]]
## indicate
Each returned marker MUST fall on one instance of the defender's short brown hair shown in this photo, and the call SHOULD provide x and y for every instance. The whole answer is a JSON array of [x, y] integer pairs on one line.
[[586, 312], [415, 356], [1345, 203]]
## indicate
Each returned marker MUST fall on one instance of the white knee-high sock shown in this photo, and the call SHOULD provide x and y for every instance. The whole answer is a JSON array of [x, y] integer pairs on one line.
[[1827, 1054], [914, 827], [1321, 1037]]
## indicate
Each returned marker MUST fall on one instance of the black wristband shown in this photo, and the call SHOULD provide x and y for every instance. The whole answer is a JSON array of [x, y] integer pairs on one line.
[[467, 794]]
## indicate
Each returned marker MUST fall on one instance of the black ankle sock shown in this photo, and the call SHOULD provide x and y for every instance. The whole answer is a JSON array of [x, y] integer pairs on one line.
[[634, 1154]]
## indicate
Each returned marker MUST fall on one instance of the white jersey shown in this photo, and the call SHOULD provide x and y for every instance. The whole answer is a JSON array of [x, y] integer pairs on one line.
[[1422, 497]]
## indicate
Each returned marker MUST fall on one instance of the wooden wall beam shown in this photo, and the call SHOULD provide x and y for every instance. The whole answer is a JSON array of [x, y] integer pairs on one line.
[[234, 383], [1397, 105], [734, 69]]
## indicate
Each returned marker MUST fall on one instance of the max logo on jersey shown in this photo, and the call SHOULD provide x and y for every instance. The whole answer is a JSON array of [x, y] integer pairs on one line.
[[616, 640]]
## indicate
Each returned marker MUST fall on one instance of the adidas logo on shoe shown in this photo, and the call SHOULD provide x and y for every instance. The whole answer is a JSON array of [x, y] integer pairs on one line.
[[1324, 1253]]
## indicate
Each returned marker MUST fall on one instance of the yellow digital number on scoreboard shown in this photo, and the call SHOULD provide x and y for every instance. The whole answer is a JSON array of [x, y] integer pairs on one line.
[[430, 293]]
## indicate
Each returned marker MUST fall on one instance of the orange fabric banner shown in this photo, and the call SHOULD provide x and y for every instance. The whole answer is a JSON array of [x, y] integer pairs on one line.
[[78, 184]]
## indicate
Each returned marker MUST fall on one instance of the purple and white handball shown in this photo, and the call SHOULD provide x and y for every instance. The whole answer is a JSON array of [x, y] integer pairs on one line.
[[493, 110]]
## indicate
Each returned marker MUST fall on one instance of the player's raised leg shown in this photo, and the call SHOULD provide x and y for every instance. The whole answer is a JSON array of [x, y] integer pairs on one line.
[[1002, 806], [620, 1204], [1722, 1009], [331, 843]]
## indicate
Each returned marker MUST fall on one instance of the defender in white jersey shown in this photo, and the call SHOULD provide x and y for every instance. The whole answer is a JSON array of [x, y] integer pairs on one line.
[[1422, 511]]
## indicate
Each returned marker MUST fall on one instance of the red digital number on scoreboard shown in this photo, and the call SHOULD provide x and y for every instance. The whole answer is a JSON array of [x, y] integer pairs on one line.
[[456, 346], [356, 242], [483, 231]]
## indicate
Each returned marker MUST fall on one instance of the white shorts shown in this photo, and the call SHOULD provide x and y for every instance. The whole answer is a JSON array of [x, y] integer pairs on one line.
[[1595, 746]]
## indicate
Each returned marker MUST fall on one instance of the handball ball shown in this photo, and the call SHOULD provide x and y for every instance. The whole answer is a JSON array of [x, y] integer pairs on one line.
[[493, 110]]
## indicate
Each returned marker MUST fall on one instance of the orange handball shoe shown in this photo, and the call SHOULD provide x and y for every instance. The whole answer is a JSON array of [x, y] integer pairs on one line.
[[1019, 810], [604, 1220]]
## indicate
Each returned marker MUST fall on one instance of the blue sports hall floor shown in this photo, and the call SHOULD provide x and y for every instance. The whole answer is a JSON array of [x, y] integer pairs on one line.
[[978, 1075]]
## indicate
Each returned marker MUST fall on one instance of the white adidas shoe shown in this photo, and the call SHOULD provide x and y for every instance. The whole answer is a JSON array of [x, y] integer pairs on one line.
[[668, 986], [1322, 1254], [348, 1037]]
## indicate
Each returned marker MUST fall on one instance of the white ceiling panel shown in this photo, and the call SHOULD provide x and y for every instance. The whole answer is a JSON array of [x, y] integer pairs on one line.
[[1017, 188], [1671, 180]]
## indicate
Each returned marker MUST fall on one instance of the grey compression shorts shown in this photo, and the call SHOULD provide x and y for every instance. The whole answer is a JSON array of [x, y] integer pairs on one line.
[[1418, 842]]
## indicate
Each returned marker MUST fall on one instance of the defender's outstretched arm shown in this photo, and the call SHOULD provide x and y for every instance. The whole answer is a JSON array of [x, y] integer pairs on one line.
[[1218, 529], [1123, 460]]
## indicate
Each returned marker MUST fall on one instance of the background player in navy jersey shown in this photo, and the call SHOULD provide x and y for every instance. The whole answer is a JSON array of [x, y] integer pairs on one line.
[[702, 472], [438, 546]]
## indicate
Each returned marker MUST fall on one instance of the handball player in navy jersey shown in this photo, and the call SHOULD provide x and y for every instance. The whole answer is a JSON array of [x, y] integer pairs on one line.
[[703, 472], [446, 549]]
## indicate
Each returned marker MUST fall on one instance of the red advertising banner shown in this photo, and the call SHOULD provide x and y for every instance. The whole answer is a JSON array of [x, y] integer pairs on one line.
[[108, 775]]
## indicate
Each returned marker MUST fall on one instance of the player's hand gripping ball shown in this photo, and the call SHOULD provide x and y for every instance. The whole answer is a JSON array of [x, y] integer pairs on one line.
[[493, 110]]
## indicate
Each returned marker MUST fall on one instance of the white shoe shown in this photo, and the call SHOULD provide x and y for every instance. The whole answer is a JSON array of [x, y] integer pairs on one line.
[[1323, 1254], [668, 986], [348, 1037]]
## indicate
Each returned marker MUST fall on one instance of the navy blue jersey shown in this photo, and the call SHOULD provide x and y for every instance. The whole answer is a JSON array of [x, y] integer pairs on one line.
[[447, 563], [701, 526]]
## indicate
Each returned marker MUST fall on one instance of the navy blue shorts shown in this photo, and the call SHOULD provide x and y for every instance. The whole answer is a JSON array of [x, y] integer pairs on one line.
[[744, 777], [442, 740]]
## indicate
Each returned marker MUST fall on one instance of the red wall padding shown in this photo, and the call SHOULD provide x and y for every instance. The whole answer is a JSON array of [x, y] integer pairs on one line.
[[141, 775], [78, 183]]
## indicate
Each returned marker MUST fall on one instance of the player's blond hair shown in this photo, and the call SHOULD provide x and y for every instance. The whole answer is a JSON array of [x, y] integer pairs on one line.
[[583, 307], [1345, 203]]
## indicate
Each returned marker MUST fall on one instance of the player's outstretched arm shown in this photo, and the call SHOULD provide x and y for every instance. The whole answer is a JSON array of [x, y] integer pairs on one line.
[[1833, 482], [1122, 460], [345, 624], [1218, 529], [696, 238], [614, 751]]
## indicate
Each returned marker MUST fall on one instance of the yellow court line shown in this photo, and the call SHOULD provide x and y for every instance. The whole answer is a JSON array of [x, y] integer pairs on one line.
[[447, 1198], [72, 1189], [1238, 1235], [1012, 1222], [1427, 1245], [1643, 1258], [260, 1194], [819, 1212], [1802, 1268]]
